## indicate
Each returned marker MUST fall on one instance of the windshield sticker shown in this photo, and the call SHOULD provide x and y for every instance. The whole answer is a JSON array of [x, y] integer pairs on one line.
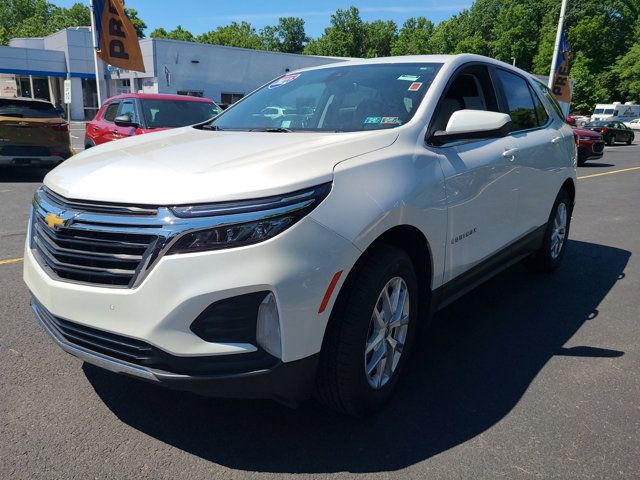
[[284, 80], [409, 78], [372, 120], [415, 86], [390, 121]]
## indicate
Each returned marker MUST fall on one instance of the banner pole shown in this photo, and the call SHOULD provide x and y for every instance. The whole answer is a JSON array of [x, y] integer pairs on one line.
[[95, 52], [556, 48]]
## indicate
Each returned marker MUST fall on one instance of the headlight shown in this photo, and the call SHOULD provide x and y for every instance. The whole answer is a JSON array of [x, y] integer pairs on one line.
[[245, 222]]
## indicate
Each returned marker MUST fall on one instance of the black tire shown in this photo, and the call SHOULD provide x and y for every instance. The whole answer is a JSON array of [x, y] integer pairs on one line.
[[611, 140], [543, 260], [631, 139], [342, 383], [581, 161]]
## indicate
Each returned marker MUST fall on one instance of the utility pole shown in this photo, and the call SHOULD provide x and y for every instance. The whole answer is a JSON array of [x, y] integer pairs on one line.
[[95, 53], [556, 48]]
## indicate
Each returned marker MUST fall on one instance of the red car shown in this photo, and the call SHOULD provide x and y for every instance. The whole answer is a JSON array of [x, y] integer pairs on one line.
[[137, 113], [590, 145]]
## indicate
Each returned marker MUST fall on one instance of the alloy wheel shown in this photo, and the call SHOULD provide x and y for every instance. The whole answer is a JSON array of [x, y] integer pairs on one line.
[[387, 333], [559, 231]]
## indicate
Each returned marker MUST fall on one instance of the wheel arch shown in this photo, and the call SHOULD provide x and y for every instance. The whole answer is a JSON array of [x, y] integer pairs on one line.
[[570, 187], [414, 243]]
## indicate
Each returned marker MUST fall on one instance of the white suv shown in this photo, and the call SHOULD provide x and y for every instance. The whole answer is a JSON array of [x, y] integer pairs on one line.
[[279, 257]]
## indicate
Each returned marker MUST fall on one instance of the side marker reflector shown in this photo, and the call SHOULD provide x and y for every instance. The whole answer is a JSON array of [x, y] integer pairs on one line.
[[329, 292]]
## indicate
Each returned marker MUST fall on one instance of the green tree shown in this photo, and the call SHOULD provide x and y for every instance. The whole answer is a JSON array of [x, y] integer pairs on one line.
[[288, 36], [379, 38], [345, 37], [413, 38], [137, 22], [235, 35], [627, 74], [177, 33]]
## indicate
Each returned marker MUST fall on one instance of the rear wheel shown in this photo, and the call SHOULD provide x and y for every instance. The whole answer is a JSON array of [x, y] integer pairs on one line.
[[611, 140], [370, 334], [549, 256], [630, 141]]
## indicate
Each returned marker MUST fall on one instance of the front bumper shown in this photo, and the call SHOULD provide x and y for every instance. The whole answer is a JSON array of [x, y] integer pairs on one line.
[[288, 383], [588, 150]]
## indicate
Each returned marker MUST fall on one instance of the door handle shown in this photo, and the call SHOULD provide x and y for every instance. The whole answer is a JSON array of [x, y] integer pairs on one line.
[[510, 154], [556, 139]]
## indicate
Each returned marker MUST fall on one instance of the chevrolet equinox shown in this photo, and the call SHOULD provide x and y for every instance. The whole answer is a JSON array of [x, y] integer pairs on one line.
[[280, 256]]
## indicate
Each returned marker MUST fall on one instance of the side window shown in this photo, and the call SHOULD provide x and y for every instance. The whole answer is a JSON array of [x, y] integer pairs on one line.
[[128, 108], [541, 113], [471, 89], [519, 101], [109, 114], [554, 103]]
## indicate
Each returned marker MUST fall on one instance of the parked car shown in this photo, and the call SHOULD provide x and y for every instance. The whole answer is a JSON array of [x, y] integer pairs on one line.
[[577, 120], [138, 113], [260, 257], [590, 145], [633, 124], [32, 133], [612, 132]]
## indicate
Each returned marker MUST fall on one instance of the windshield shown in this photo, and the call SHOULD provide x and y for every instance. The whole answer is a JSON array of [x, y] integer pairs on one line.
[[174, 113], [27, 109], [343, 99]]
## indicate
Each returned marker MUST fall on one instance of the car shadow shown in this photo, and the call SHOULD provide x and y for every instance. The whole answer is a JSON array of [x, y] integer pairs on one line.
[[589, 164], [467, 373], [18, 174]]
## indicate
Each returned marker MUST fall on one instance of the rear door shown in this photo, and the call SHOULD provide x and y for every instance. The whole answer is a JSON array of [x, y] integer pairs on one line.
[[103, 129], [540, 144]]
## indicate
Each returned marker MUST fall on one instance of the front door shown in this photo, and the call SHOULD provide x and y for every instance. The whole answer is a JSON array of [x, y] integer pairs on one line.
[[480, 178]]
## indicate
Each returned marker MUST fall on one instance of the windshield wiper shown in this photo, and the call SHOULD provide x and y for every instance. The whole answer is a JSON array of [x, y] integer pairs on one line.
[[272, 130], [215, 128]]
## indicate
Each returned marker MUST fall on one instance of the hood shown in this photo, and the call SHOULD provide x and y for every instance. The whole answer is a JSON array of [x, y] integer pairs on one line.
[[188, 165]]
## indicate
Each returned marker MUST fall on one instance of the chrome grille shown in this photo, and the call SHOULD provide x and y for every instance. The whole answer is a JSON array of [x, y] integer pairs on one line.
[[103, 248]]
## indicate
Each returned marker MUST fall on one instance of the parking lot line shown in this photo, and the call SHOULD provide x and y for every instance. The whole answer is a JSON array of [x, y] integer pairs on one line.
[[608, 173], [10, 261]]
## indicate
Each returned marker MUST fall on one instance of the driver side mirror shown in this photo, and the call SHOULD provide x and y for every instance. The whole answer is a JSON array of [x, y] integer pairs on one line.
[[125, 121], [472, 125]]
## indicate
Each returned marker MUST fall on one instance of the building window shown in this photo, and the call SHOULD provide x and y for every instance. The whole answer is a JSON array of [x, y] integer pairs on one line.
[[191, 93], [230, 98]]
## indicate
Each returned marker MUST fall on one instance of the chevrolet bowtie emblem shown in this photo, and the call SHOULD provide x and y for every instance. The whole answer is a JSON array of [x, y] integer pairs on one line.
[[53, 221]]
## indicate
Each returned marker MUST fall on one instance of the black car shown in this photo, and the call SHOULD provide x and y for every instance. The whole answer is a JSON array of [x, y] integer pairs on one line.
[[612, 131]]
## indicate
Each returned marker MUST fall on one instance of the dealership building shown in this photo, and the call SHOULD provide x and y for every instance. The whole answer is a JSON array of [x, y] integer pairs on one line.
[[37, 68]]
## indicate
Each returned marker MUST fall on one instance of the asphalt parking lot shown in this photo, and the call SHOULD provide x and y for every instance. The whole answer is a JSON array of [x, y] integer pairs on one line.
[[526, 377]]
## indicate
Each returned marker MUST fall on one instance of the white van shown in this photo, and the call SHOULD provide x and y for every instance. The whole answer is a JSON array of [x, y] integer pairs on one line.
[[616, 111]]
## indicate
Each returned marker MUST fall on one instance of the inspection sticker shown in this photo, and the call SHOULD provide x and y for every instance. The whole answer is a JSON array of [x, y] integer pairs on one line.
[[370, 120], [390, 121], [415, 86], [284, 80], [409, 78]]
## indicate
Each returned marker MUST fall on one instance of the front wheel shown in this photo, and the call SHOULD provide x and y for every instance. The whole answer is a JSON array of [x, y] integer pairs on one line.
[[549, 256], [369, 335]]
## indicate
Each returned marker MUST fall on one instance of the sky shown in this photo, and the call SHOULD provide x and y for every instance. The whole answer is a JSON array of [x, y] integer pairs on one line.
[[200, 16]]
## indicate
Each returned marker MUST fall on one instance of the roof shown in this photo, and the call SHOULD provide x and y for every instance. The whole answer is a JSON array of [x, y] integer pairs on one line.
[[447, 60], [163, 96]]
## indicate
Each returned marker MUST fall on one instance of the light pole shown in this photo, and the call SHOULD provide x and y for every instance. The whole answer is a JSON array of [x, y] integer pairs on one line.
[[95, 53], [513, 61]]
